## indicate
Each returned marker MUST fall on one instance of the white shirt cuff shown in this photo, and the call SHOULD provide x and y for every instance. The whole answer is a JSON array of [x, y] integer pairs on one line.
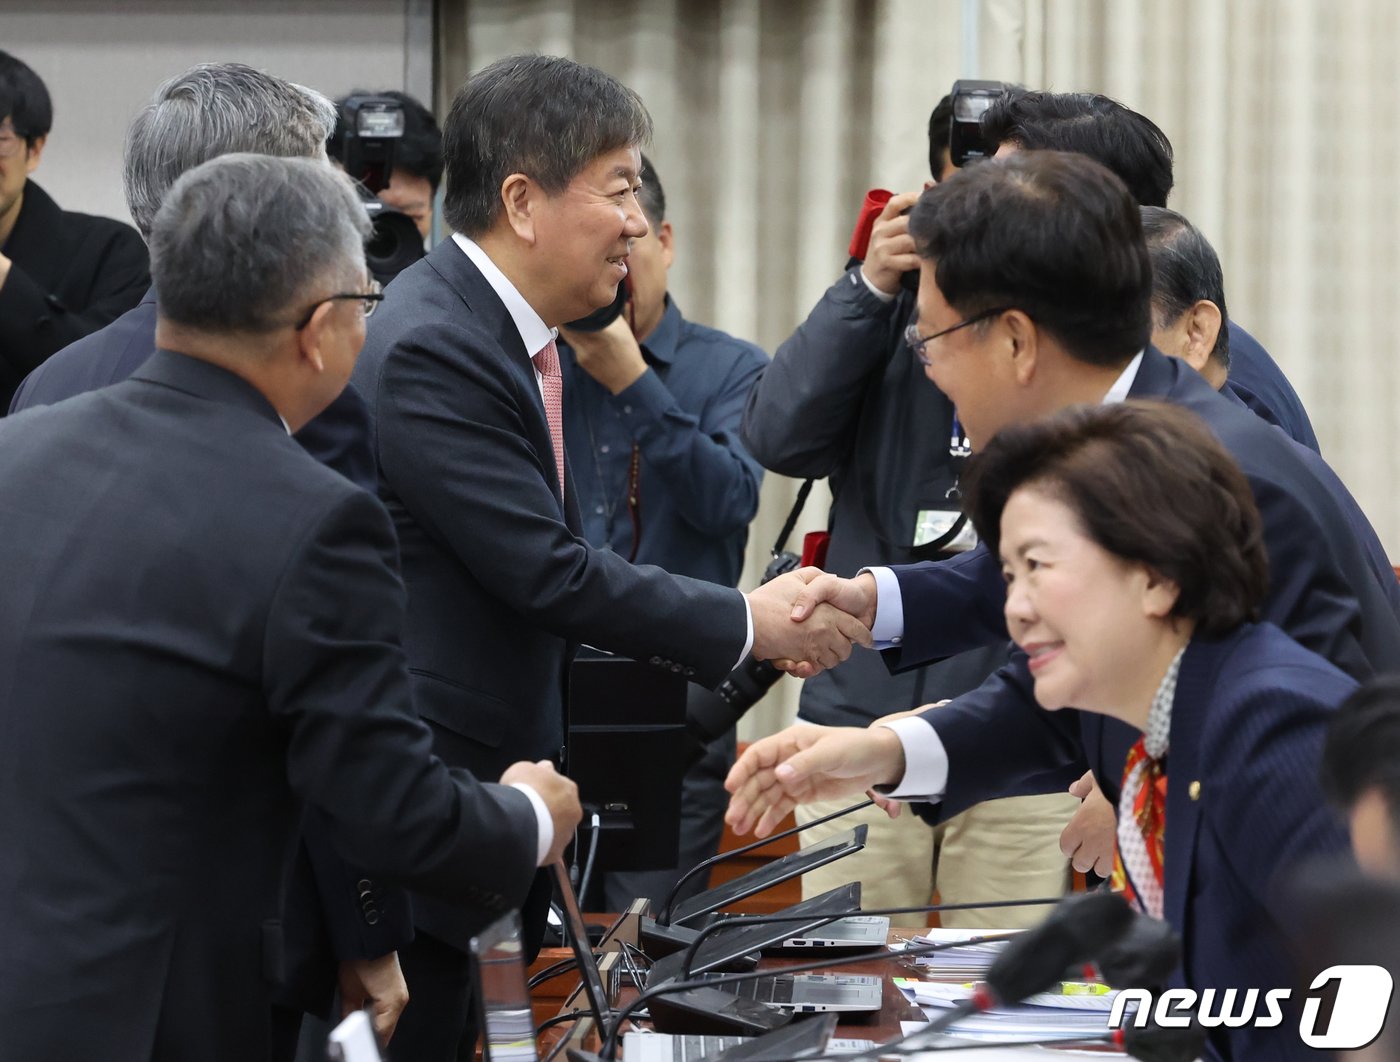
[[883, 296], [925, 761], [543, 820], [748, 636], [888, 628]]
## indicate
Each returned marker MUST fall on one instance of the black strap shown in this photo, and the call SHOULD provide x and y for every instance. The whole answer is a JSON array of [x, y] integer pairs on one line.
[[791, 521]]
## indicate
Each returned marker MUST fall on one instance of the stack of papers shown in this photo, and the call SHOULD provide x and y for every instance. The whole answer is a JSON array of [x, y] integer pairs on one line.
[[968, 961], [1078, 1011]]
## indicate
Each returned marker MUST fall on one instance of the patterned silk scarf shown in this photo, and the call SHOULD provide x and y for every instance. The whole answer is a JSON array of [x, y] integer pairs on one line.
[[1142, 804]]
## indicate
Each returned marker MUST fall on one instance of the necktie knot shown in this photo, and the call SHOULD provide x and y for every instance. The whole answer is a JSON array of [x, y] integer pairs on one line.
[[547, 360]]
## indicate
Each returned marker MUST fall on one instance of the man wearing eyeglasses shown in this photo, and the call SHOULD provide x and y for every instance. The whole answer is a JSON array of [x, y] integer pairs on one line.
[[62, 274], [342, 926], [846, 399]]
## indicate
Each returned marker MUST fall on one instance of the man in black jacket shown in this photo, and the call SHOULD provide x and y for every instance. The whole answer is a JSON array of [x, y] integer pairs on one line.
[[62, 274], [203, 635], [210, 110]]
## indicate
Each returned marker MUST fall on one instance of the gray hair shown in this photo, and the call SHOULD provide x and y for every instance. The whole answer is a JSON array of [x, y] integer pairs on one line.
[[539, 115], [215, 109], [244, 243]]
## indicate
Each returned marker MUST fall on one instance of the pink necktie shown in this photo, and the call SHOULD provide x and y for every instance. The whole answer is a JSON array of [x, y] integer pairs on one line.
[[547, 364]]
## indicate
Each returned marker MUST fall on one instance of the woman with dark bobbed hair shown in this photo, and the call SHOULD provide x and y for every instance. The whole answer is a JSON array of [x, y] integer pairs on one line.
[[1135, 566]]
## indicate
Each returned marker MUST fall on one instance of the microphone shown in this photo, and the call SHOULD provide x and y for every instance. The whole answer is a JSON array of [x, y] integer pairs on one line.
[[1075, 932], [1143, 957], [664, 918], [1155, 1043]]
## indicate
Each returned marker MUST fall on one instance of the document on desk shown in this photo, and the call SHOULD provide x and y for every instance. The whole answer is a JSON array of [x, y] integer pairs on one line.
[[967, 961], [1058, 1016]]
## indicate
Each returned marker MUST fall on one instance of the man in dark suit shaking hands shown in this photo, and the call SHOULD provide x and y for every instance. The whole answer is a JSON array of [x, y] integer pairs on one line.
[[460, 372], [201, 630]]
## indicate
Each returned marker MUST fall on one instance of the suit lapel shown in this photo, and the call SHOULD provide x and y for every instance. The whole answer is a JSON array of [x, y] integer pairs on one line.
[[458, 271], [1186, 790]]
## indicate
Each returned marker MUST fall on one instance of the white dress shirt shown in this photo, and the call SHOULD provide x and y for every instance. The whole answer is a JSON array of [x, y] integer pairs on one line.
[[925, 759]]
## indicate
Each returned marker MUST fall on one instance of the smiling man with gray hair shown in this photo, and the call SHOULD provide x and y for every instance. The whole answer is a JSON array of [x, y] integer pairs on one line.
[[211, 110], [202, 634]]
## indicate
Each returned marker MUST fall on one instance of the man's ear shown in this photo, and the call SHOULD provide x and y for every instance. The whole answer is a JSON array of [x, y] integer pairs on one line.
[[520, 198], [1023, 339], [1203, 323], [36, 149], [667, 237], [312, 338]]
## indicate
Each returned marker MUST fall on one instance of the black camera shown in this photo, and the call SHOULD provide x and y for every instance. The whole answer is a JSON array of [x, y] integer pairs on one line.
[[370, 128], [970, 101], [710, 715]]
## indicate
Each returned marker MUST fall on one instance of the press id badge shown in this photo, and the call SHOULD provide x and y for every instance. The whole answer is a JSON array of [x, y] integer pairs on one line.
[[933, 525]]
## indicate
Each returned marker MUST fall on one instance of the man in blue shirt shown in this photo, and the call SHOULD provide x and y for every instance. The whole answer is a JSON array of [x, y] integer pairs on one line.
[[652, 405]]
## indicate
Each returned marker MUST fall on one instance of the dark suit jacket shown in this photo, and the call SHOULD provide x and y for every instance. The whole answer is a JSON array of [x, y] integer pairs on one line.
[[71, 274], [501, 587], [1244, 809], [1261, 385], [196, 636], [326, 917], [339, 437], [1331, 585]]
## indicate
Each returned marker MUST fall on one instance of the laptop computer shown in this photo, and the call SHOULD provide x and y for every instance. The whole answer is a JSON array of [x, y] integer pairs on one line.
[[789, 866], [671, 1047], [853, 933], [723, 946], [810, 993], [798, 1040], [503, 1000]]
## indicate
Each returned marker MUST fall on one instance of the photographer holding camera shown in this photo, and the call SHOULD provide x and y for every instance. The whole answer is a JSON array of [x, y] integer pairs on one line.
[[652, 404], [845, 398]]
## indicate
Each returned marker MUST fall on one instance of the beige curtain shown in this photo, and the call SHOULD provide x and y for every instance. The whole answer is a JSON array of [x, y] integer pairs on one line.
[[774, 116]]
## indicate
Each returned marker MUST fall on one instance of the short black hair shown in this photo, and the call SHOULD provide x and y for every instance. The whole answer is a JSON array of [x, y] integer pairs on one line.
[[539, 115], [652, 196], [1362, 749], [419, 151], [1090, 124], [1052, 234], [1185, 270], [1149, 483], [940, 128], [24, 99]]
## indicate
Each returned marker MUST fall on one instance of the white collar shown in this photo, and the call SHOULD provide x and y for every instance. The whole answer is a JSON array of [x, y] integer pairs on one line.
[[534, 333], [1121, 386]]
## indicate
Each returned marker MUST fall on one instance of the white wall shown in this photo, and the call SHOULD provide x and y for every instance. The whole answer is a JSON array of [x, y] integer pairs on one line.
[[102, 61]]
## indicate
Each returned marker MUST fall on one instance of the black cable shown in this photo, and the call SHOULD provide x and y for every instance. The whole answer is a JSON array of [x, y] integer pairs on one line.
[[563, 966], [559, 1019]]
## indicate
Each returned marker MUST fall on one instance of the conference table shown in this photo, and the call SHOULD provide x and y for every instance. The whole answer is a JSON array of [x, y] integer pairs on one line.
[[881, 1027]]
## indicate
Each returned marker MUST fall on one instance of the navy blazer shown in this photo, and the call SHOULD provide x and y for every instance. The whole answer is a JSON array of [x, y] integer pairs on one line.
[[338, 437], [1244, 809], [1332, 586], [501, 586], [200, 631]]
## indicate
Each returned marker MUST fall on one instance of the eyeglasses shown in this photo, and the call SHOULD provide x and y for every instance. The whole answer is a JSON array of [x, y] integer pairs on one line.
[[370, 300], [918, 344]]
